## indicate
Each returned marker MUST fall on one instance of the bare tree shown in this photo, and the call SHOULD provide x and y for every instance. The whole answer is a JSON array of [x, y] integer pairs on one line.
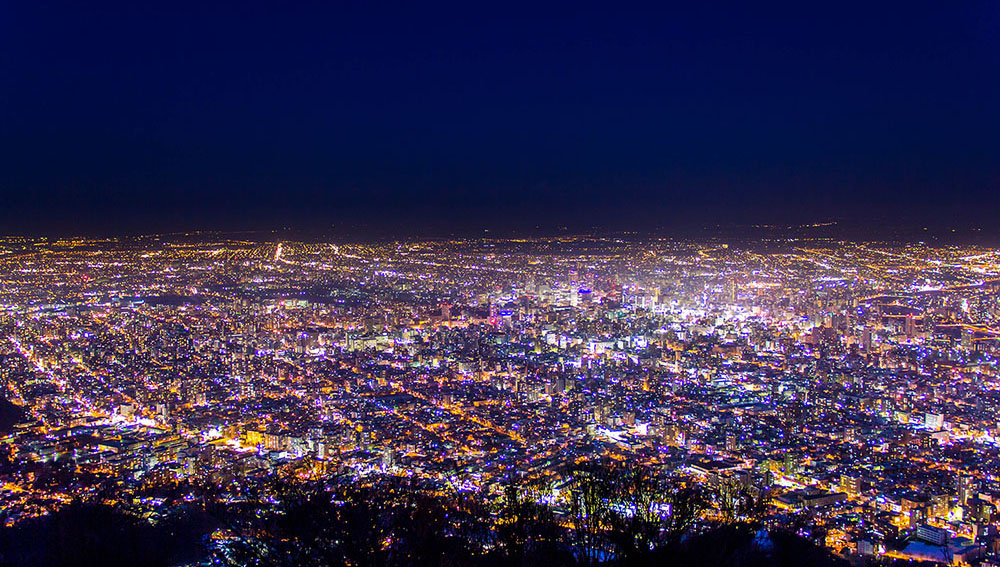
[[739, 503], [589, 511], [526, 528]]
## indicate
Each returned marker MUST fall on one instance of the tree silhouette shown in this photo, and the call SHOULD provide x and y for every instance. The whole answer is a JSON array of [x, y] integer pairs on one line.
[[613, 513], [739, 503], [624, 512], [377, 523], [589, 499], [87, 534], [527, 530]]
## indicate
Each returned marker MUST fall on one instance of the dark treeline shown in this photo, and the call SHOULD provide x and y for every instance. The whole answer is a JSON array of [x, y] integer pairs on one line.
[[609, 514], [9, 415], [92, 534]]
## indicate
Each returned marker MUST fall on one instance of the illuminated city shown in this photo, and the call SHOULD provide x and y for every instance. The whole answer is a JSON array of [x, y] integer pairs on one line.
[[472, 284], [853, 384]]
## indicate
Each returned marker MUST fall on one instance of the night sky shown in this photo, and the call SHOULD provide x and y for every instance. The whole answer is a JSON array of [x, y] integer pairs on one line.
[[163, 116]]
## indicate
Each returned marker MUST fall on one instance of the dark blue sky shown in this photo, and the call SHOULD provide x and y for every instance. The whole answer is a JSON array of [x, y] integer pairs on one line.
[[172, 115]]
